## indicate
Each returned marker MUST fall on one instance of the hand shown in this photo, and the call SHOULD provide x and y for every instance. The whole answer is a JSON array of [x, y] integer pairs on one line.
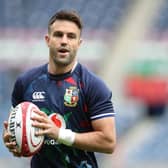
[[12, 147], [41, 120]]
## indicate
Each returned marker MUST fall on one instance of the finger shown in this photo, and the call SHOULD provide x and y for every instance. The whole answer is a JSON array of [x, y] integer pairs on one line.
[[41, 113], [13, 150], [41, 132], [41, 125], [17, 154], [10, 145], [39, 118], [6, 137]]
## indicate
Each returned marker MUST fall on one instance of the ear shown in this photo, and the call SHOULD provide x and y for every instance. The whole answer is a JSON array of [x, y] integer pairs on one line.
[[80, 41], [47, 39]]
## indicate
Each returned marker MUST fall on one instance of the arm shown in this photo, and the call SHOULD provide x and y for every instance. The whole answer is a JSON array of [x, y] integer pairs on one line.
[[102, 139]]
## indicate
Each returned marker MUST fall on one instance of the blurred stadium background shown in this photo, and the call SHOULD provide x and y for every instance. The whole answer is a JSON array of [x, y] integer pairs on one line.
[[126, 43]]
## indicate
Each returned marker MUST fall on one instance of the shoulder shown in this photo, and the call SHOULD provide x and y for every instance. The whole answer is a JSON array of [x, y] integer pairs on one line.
[[91, 81], [91, 77], [25, 78], [32, 73], [86, 74]]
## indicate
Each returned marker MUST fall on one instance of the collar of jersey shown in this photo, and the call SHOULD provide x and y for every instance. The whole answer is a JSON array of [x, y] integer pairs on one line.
[[60, 76]]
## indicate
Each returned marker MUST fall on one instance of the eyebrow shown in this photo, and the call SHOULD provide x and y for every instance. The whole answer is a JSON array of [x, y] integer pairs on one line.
[[60, 33]]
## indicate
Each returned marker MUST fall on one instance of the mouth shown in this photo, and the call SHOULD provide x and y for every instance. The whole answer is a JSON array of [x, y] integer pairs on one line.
[[63, 51]]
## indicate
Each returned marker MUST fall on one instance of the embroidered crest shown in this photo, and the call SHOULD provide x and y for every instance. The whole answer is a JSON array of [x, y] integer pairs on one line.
[[71, 96]]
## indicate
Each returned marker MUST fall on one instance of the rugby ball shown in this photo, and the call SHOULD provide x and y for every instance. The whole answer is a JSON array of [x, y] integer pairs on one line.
[[23, 133]]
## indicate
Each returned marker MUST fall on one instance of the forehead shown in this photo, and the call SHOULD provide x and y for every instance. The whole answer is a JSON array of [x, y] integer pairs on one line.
[[65, 26]]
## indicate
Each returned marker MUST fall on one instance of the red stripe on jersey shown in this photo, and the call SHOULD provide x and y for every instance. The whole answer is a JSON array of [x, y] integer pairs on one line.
[[71, 80], [85, 108]]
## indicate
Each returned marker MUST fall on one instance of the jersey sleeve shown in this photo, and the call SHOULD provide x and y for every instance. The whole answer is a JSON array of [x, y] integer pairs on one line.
[[17, 94], [99, 99]]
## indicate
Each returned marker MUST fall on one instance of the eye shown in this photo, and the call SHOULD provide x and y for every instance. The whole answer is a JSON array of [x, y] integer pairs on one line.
[[71, 35], [58, 34]]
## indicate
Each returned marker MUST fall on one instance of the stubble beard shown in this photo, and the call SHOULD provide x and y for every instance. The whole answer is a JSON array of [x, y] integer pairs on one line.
[[63, 62]]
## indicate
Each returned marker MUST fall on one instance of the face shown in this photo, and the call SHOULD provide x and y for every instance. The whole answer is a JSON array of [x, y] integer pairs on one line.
[[63, 41]]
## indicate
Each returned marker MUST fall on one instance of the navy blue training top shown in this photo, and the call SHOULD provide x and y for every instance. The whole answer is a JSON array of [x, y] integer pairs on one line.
[[78, 96]]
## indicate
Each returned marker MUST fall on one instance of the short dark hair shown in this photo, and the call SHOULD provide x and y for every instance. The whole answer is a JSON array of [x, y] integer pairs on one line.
[[71, 15]]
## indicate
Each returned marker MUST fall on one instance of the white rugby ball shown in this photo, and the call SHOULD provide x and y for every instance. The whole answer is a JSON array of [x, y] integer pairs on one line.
[[23, 133]]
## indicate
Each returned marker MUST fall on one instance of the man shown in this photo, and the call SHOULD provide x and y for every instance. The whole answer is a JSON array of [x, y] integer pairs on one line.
[[66, 87]]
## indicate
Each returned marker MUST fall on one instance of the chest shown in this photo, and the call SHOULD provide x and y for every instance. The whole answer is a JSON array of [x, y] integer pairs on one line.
[[63, 97], [56, 96]]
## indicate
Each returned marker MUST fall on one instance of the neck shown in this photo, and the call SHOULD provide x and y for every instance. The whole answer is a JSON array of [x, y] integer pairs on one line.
[[56, 70]]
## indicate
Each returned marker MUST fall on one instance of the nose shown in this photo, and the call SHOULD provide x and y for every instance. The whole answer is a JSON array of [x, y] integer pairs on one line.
[[64, 39]]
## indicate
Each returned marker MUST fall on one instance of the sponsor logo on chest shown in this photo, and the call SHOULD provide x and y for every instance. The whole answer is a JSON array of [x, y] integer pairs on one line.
[[38, 96]]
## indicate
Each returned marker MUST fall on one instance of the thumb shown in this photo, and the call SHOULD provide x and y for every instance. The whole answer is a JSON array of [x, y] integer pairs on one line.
[[5, 124]]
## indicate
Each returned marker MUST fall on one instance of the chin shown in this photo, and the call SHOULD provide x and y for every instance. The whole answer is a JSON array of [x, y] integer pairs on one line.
[[62, 62]]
